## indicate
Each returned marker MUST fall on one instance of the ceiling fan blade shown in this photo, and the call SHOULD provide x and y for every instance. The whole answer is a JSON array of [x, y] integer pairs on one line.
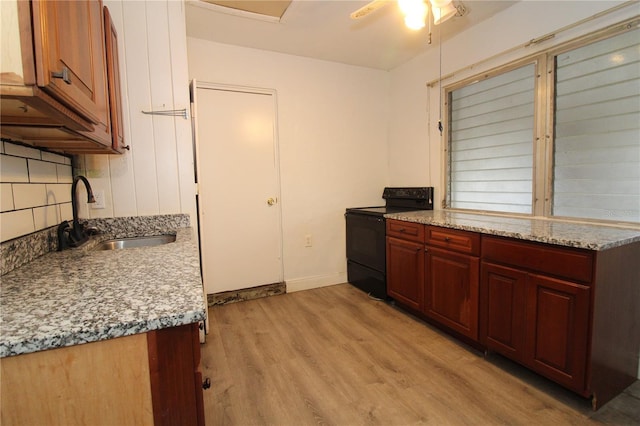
[[369, 8]]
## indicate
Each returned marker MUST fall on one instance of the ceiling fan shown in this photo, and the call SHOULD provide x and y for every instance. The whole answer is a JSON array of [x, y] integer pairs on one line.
[[416, 11]]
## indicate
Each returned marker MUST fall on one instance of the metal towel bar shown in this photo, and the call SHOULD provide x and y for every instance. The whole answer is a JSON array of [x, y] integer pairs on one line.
[[169, 112]]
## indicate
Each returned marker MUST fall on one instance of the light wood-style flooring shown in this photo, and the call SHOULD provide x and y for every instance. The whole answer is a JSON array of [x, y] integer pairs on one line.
[[334, 356]]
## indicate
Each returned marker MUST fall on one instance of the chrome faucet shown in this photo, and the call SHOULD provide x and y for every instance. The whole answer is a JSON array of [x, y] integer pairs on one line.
[[75, 236]]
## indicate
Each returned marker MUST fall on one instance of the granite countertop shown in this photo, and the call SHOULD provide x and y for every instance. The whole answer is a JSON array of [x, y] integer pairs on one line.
[[80, 295], [580, 235]]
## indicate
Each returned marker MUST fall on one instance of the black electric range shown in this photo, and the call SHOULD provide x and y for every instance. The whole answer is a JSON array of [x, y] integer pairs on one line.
[[366, 243]]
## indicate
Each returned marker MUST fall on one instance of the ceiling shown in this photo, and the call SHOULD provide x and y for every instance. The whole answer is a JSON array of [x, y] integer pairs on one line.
[[322, 29], [273, 8]]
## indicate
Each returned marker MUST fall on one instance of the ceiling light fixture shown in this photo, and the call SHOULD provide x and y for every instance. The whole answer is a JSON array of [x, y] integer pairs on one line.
[[441, 14], [416, 11]]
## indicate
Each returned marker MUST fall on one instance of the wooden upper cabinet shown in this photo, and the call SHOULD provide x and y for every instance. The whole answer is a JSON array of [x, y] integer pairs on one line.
[[70, 59], [113, 80], [53, 76]]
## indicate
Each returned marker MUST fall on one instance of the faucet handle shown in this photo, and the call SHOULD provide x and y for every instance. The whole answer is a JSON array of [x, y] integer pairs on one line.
[[64, 235], [92, 230]]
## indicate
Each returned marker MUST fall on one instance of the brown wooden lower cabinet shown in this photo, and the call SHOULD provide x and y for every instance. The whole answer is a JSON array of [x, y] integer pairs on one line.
[[570, 314], [556, 329], [434, 271], [405, 272], [562, 312], [539, 321], [451, 290], [143, 379]]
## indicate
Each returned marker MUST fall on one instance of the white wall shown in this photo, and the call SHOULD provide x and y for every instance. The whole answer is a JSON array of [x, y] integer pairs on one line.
[[415, 150], [156, 176], [333, 146]]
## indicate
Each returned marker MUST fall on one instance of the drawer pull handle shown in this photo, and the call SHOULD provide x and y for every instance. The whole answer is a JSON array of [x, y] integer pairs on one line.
[[64, 75], [402, 230], [447, 239]]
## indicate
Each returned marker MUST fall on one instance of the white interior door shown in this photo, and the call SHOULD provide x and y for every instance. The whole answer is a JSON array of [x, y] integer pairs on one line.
[[238, 188]]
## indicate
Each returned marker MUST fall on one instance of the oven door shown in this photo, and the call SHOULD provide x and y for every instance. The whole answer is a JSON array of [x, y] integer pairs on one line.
[[366, 243]]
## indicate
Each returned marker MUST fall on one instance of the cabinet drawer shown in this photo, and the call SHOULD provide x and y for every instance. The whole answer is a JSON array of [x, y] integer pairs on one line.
[[453, 239], [574, 264], [405, 230]]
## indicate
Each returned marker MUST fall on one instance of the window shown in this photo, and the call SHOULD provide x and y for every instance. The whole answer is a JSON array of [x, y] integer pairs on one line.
[[596, 171], [567, 146], [491, 143]]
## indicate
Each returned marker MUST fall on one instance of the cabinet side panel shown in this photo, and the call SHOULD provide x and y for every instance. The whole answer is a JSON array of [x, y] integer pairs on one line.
[[173, 375], [615, 342], [101, 383]]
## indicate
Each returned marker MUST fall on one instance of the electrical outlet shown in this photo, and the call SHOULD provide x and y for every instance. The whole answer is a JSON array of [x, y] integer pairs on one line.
[[99, 196], [308, 241]]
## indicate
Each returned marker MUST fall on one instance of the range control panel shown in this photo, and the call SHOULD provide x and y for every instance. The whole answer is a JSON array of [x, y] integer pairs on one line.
[[408, 193]]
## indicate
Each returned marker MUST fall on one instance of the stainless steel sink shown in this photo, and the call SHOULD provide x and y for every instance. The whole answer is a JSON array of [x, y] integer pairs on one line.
[[125, 243]]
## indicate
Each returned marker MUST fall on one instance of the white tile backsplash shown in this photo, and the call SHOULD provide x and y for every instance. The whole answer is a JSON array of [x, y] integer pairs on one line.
[[16, 224], [65, 173], [35, 190], [55, 158], [42, 171], [13, 169], [66, 212], [47, 216], [58, 193], [6, 195], [27, 195], [22, 151]]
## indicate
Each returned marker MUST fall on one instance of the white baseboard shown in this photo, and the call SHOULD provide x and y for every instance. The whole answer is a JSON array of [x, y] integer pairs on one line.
[[307, 283]]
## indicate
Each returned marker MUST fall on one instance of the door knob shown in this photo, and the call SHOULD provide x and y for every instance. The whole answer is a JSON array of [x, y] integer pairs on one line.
[[271, 201]]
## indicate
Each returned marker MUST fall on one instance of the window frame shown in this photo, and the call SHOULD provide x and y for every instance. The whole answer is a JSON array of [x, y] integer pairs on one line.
[[543, 136]]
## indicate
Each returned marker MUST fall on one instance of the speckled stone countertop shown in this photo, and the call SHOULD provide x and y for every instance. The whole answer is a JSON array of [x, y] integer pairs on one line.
[[80, 295], [587, 236]]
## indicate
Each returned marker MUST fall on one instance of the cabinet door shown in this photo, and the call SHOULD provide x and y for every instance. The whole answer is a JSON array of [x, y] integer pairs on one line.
[[405, 272], [502, 309], [113, 80], [70, 59], [557, 326], [451, 290]]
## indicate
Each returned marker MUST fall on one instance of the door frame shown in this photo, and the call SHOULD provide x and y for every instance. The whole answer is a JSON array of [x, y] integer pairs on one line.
[[195, 84]]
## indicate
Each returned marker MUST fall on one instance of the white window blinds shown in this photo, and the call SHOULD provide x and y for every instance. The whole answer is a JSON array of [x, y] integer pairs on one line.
[[597, 130], [491, 143]]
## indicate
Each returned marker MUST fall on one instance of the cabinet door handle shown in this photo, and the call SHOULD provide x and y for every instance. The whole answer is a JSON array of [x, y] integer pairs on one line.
[[64, 75], [206, 384]]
